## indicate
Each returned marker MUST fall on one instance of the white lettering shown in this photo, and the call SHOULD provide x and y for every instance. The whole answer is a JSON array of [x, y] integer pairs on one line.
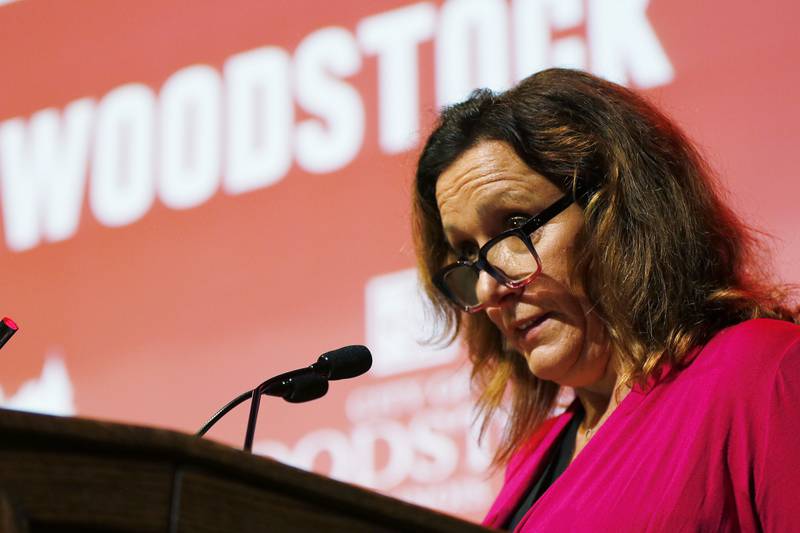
[[275, 449], [388, 454], [397, 324], [448, 387], [439, 454], [570, 52], [43, 163], [122, 187], [190, 137], [531, 37], [477, 454], [534, 47], [260, 118], [393, 398], [43, 173], [400, 454], [394, 37], [624, 43], [325, 441], [565, 14], [471, 31], [330, 145]]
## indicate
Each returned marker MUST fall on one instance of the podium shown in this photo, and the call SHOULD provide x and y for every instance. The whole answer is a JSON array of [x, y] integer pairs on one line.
[[78, 475]]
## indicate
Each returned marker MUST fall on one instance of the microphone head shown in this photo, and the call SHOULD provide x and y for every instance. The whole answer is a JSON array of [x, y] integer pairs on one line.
[[7, 328], [306, 387], [346, 362]]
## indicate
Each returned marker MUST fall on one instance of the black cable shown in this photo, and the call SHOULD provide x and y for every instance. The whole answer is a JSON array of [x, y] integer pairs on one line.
[[222, 412]]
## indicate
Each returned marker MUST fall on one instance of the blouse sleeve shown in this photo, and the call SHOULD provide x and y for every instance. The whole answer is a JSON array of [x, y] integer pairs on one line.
[[777, 471]]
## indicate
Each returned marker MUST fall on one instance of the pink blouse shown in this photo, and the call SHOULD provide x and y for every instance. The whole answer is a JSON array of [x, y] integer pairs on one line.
[[714, 447]]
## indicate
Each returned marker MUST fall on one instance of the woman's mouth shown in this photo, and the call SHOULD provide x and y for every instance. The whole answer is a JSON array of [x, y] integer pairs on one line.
[[529, 329]]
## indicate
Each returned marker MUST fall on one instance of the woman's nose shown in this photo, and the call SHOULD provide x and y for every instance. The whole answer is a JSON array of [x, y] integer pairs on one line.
[[492, 293]]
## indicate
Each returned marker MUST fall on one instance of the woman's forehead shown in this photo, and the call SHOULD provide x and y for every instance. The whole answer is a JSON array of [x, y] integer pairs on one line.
[[487, 171]]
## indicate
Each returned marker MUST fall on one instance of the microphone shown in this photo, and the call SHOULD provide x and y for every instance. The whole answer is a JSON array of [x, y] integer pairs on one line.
[[7, 329], [344, 363], [301, 385], [299, 388]]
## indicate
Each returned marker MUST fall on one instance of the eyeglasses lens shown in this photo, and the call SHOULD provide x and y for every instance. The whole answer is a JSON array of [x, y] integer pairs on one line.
[[510, 257], [462, 282]]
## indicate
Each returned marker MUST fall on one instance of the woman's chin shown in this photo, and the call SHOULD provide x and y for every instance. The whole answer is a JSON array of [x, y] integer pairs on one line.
[[549, 366]]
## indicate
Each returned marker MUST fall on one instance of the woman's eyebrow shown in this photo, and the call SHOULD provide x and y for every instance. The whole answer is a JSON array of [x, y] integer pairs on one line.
[[514, 199]]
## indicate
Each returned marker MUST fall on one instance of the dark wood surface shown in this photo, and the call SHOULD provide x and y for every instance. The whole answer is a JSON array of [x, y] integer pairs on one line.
[[70, 474]]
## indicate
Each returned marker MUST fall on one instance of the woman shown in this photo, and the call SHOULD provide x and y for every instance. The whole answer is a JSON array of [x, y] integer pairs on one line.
[[573, 236]]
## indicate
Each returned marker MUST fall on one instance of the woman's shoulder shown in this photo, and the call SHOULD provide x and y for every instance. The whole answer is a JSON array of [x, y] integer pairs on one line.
[[761, 329], [755, 343], [746, 359], [763, 401]]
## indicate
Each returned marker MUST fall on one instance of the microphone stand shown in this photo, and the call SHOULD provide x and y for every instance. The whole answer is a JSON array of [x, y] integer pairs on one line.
[[255, 401], [298, 386], [285, 385], [295, 386]]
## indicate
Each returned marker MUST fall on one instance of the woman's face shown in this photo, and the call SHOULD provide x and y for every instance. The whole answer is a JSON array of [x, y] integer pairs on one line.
[[549, 321]]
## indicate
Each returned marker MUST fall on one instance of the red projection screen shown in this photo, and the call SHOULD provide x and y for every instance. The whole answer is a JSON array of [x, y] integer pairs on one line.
[[198, 195]]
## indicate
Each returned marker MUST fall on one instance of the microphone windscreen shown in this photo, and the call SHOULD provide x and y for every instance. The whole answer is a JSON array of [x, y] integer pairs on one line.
[[306, 387], [346, 362]]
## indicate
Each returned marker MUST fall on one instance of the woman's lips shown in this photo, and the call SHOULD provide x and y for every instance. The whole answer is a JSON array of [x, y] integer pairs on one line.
[[529, 330]]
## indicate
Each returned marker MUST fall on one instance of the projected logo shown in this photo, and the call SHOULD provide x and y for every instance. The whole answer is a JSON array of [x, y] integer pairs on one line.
[[400, 326], [410, 431]]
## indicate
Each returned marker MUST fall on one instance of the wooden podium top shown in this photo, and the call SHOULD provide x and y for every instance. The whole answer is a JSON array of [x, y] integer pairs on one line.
[[70, 474]]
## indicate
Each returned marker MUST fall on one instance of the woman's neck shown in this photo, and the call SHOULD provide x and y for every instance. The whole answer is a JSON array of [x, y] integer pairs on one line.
[[600, 398]]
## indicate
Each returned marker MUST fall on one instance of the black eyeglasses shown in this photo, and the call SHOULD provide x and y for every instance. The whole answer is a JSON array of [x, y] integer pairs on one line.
[[509, 257]]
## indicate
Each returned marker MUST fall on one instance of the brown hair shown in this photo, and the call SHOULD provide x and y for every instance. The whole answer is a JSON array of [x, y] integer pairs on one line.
[[664, 261]]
